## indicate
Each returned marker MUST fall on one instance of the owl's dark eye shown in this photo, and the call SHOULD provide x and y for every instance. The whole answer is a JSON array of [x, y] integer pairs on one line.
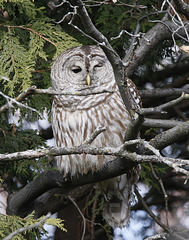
[[76, 69]]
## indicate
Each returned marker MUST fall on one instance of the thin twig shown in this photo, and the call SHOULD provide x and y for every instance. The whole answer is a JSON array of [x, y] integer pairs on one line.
[[31, 30], [159, 236], [84, 220], [93, 219], [179, 18], [163, 189], [79, 92], [160, 109], [118, 3], [156, 219], [20, 97], [13, 100], [33, 90], [96, 132]]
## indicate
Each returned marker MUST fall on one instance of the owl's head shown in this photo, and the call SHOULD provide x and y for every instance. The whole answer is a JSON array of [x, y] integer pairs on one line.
[[82, 67]]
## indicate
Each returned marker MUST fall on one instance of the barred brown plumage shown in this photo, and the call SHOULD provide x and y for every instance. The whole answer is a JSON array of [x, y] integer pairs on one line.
[[74, 118]]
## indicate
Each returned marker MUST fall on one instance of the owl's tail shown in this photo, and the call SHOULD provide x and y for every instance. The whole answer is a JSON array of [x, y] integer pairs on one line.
[[118, 196]]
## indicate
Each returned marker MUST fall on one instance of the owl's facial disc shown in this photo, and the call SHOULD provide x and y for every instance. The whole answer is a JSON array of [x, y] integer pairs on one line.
[[86, 71]]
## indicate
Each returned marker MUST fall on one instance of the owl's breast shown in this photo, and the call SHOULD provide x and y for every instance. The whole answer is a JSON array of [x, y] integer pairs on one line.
[[72, 128]]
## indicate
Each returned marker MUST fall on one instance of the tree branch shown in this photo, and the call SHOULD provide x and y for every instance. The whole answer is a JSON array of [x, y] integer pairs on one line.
[[170, 136], [160, 123], [13, 101], [161, 31], [33, 90], [27, 199], [80, 212], [182, 7], [163, 92], [160, 236], [160, 109], [30, 30], [119, 152], [156, 219], [23, 201]]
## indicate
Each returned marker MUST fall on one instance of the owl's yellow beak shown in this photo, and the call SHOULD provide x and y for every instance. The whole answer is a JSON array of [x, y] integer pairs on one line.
[[88, 79]]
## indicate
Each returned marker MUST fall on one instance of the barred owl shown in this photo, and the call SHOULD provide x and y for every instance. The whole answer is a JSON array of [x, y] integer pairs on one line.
[[74, 118]]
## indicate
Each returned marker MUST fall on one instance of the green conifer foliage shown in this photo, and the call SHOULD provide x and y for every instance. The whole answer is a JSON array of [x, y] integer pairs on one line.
[[11, 224], [29, 43]]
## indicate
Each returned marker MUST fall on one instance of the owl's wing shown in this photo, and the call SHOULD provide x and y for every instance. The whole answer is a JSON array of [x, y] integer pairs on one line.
[[134, 94], [118, 191]]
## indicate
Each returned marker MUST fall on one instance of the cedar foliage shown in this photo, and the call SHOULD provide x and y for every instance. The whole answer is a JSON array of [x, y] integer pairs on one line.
[[30, 41], [9, 224]]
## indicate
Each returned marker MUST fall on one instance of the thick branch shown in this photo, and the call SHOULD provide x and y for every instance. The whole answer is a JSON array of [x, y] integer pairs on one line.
[[181, 68], [31, 154], [163, 92], [170, 136], [26, 200], [160, 123], [57, 196], [23, 201], [161, 31], [182, 7]]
